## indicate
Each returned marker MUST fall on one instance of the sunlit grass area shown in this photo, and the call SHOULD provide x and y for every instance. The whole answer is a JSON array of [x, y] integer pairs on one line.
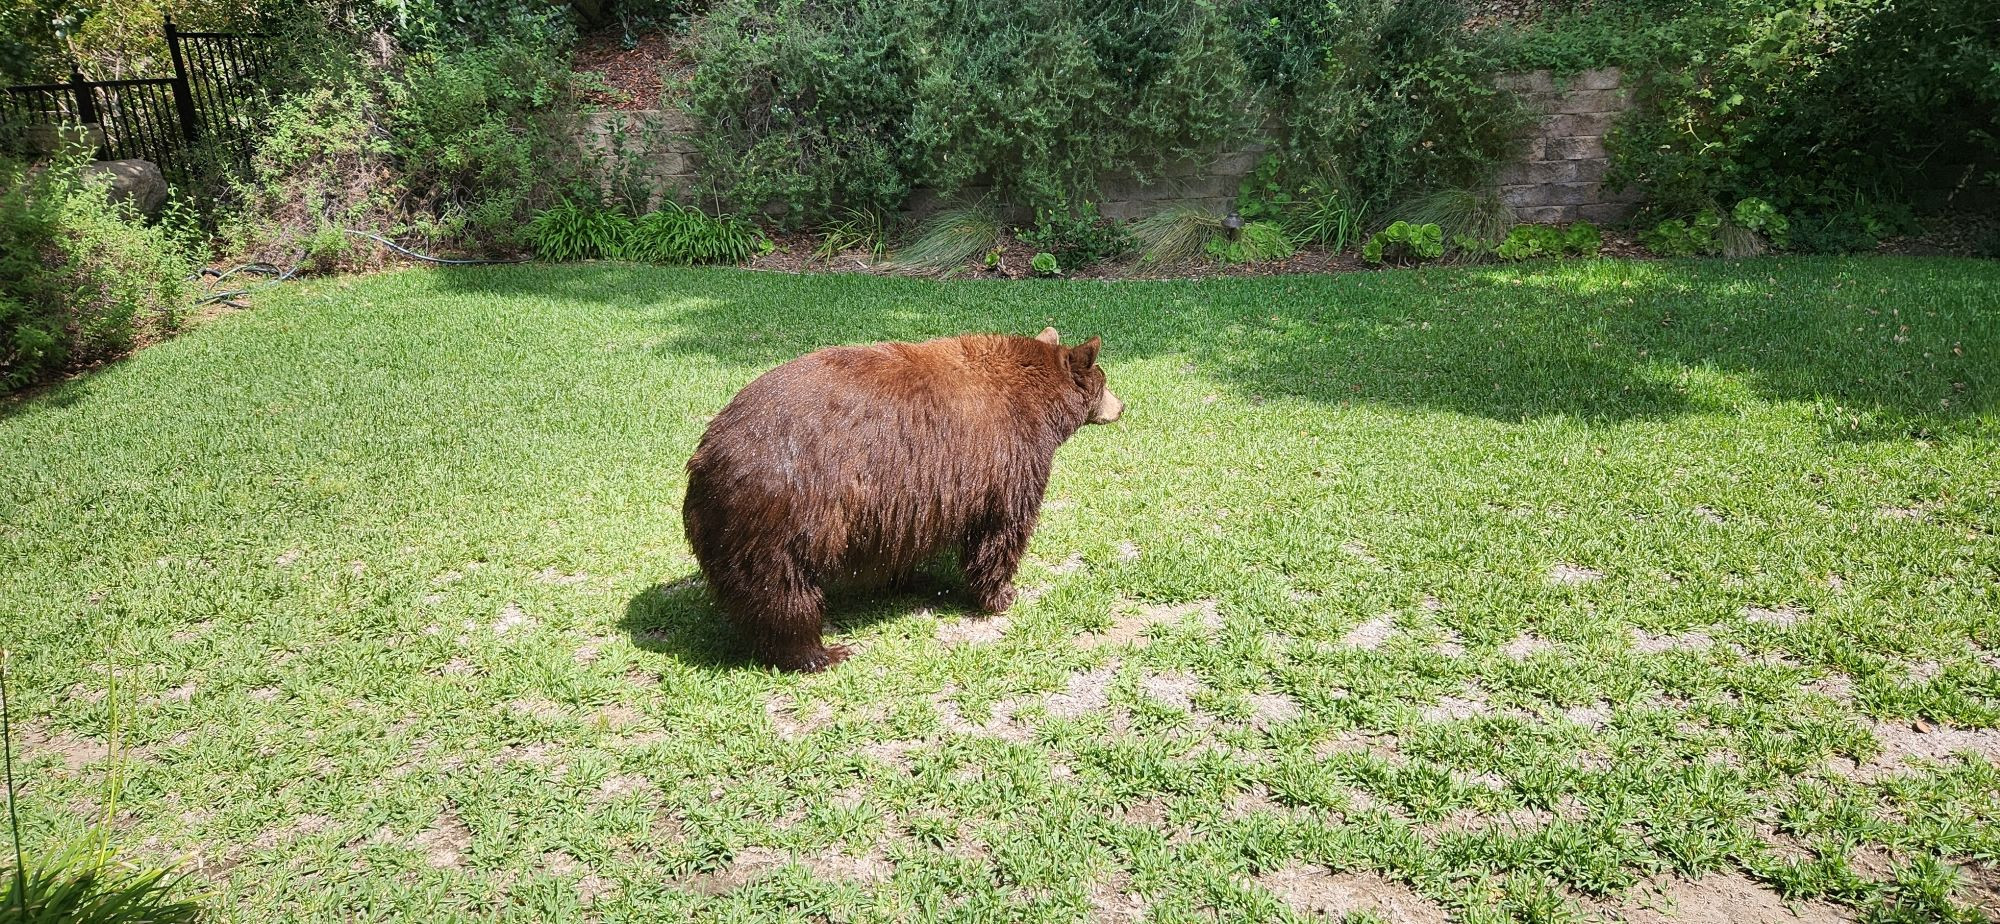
[[1541, 593]]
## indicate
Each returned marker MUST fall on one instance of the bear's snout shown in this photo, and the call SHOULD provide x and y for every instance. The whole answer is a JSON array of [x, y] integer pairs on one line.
[[1108, 408]]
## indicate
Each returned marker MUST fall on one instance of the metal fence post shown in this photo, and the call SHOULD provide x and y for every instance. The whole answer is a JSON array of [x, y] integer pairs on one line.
[[84, 96], [183, 95]]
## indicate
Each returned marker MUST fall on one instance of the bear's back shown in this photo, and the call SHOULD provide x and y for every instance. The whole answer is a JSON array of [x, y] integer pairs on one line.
[[875, 454]]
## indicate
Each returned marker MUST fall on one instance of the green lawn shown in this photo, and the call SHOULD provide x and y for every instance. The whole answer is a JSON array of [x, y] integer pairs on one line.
[[1478, 594]]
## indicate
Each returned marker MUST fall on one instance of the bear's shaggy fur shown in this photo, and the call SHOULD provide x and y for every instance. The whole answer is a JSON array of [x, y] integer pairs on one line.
[[853, 466]]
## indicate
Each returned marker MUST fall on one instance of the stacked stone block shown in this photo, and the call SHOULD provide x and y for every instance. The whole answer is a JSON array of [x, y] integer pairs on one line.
[[1558, 173], [649, 152]]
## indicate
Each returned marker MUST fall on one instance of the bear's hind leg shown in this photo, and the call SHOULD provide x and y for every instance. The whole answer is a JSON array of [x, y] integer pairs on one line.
[[781, 619], [992, 555]]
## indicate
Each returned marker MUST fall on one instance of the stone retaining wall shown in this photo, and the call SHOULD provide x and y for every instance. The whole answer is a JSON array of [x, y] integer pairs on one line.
[[1557, 175]]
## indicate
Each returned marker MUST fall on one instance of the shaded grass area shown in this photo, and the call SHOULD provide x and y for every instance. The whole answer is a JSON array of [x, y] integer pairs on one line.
[[1520, 590]]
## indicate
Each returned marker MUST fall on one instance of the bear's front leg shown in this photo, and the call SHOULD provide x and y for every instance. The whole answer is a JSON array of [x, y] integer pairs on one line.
[[991, 558]]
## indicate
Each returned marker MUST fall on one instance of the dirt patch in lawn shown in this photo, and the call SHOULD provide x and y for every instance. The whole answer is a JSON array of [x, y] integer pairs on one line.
[[974, 630], [754, 863], [1318, 893], [445, 842], [1526, 646], [1372, 634], [1112, 901], [1132, 622], [75, 751], [1905, 741], [793, 721], [1645, 642], [1567, 575], [1718, 898]]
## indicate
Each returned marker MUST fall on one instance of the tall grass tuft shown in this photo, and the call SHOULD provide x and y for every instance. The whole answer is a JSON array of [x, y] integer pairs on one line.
[[945, 241], [1464, 213], [84, 882], [1176, 235]]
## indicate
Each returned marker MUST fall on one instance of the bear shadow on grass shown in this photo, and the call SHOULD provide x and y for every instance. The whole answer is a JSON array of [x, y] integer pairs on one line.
[[680, 618]]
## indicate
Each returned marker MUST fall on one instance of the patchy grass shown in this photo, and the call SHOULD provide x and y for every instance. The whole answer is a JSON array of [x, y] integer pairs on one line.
[[1483, 594]]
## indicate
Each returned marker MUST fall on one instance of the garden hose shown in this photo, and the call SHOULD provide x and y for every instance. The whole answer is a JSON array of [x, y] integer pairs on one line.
[[282, 275]]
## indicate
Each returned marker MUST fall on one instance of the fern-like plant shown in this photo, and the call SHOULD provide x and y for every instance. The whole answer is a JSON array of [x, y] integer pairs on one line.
[[575, 230], [680, 235]]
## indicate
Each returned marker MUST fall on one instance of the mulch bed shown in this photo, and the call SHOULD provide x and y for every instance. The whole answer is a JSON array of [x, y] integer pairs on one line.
[[649, 75]]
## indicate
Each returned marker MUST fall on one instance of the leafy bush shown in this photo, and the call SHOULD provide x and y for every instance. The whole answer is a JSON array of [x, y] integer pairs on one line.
[[1312, 211], [83, 280], [1044, 264], [1760, 217], [678, 234], [1473, 218], [1818, 108], [1528, 242], [1685, 238], [82, 884], [818, 106], [574, 230], [1403, 242], [469, 141], [1078, 238], [1255, 242], [1394, 96], [320, 164]]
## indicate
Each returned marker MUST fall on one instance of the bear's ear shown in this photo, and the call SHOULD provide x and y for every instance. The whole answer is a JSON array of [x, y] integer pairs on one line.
[[1048, 335], [1085, 356]]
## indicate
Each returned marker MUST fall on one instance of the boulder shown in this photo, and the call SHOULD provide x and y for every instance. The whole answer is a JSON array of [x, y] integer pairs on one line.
[[136, 181]]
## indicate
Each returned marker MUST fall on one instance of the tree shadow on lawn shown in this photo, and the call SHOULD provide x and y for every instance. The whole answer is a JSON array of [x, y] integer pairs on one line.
[[680, 619], [1903, 345]]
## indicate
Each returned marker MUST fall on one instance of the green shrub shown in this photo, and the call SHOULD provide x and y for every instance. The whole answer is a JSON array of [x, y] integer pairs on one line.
[[1817, 108], [1403, 242], [469, 141], [1044, 264], [83, 885], [1078, 238], [1529, 242], [820, 106], [83, 280], [1394, 96], [1583, 240], [1685, 238], [321, 163], [1760, 217], [860, 229], [1312, 211], [1255, 242], [678, 234], [1472, 215], [573, 230]]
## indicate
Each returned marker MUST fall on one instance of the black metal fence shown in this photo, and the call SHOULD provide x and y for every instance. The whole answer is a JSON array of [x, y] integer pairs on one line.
[[209, 99]]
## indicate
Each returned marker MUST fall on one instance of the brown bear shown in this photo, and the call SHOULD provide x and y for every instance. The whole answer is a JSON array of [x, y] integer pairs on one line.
[[851, 467]]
